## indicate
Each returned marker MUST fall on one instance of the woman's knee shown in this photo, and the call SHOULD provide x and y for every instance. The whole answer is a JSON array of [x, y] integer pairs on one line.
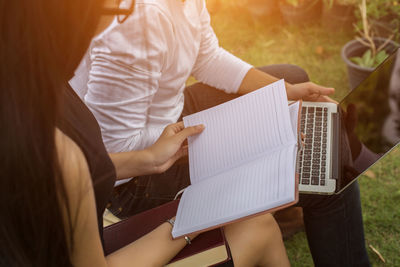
[[266, 225], [263, 226], [264, 221], [253, 239]]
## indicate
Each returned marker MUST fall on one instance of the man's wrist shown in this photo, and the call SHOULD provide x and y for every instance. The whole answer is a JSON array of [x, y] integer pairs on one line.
[[148, 160], [139, 163], [290, 91]]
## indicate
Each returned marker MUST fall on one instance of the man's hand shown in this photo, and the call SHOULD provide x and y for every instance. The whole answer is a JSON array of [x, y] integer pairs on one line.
[[171, 145], [309, 91]]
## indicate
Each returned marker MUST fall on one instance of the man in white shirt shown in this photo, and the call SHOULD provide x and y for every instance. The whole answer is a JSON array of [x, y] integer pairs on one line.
[[135, 75], [133, 80]]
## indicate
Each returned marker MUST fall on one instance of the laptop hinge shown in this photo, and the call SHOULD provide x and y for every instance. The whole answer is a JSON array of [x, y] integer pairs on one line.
[[335, 146]]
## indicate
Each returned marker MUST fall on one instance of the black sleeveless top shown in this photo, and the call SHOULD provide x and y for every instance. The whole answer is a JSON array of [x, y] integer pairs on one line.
[[80, 125]]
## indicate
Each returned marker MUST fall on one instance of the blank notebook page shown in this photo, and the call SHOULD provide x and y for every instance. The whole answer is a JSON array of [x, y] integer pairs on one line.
[[242, 163], [255, 187], [239, 131], [294, 113]]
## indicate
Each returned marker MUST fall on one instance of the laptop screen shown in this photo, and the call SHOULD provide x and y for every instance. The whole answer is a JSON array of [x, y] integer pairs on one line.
[[370, 119]]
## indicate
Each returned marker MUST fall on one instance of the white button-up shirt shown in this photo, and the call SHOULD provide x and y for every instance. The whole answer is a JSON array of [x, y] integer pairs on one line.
[[134, 74]]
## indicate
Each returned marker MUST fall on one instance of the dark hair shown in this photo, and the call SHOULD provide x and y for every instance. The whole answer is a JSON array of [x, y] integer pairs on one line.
[[41, 43]]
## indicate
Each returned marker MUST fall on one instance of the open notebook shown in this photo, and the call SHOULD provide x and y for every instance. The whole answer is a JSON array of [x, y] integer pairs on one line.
[[243, 163]]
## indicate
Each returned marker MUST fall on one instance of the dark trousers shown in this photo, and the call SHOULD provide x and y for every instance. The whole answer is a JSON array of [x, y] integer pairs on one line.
[[333, 224]]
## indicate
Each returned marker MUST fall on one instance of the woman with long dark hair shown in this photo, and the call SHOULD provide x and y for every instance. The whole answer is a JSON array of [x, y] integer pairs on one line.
[[54, 169], [31, 75]]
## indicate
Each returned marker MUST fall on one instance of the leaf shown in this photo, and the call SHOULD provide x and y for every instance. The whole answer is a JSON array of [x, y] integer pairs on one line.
[[380, 57], [377, 253], [367, 58], [268, 44], [367, 54], [370, 174], [319, 50], [367, 61], [357, 60]]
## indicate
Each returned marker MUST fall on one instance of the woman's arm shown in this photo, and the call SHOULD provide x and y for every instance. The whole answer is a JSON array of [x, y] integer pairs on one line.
[[154, 249], [158, 157]]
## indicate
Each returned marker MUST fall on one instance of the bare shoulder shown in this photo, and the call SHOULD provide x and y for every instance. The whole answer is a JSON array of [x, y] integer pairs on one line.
[[73, 164], [81, 198]]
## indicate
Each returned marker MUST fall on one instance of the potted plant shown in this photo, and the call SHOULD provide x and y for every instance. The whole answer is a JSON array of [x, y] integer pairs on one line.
[[300, 11], [384, 16], [367, 51], [338, 14]]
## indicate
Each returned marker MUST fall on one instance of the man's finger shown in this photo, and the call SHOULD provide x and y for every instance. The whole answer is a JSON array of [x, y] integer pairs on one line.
[[321, 90], [176, 127], [189, 131], [180, 125], [325, 90], [327, 99]]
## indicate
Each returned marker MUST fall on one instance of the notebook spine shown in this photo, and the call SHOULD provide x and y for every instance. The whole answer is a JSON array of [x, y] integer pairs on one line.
[[300, 146], [179, 193]]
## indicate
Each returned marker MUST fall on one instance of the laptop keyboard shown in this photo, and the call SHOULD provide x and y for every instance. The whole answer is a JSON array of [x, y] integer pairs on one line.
[[314, 124]]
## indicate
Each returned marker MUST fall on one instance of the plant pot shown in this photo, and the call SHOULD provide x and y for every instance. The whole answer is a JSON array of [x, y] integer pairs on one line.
[[387, 26], [338, 17], [306, 12], [354, 48]]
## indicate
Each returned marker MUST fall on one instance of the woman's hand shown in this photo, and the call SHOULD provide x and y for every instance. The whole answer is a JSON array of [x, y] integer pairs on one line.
[[171, 145], [309, 91]]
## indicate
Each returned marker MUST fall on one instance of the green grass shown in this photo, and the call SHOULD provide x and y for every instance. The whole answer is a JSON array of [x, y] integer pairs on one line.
[[381, 212], [266, 42], [317, 50]]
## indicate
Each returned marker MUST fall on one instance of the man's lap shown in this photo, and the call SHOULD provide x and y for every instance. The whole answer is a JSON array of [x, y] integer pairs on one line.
[[146, 192]]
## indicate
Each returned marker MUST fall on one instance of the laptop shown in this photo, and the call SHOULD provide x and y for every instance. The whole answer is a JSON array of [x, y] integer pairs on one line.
[[343, 140]]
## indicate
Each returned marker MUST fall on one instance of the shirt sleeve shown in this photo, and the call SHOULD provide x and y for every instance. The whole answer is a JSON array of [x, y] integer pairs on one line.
[[126, 64], [214, 65]]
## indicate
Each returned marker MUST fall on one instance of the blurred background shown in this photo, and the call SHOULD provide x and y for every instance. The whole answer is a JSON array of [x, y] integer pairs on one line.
[[315, 34]]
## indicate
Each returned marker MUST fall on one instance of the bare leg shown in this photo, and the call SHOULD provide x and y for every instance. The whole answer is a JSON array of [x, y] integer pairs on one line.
[[257, 242]]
